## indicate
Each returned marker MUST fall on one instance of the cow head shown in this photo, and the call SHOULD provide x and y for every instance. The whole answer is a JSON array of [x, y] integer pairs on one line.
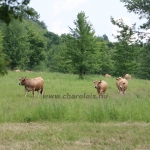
[[22, 81], [118, 79], [96, 83], [121, 84]]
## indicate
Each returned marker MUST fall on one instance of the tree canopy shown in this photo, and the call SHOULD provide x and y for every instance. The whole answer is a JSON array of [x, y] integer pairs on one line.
[[141, 8], [14, 9], [81, 44]]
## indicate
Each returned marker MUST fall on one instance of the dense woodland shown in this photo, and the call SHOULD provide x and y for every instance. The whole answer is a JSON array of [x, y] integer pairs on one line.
[[28, 45]]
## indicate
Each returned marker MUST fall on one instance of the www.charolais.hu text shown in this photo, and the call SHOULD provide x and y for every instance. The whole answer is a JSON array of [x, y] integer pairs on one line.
[[73, 96]]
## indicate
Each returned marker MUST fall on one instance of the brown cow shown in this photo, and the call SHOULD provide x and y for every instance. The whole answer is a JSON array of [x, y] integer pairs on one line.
[[101, 87], [17, 70], [123, 85], [27, 71], [34, 84], [107, 75], [127, 76], [117, 82]]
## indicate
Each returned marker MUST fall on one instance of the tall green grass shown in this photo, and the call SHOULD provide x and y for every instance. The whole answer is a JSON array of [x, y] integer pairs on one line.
[[74, 103]]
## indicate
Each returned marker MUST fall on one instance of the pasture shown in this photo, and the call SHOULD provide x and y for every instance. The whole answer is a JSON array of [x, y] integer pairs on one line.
[[71, 116]]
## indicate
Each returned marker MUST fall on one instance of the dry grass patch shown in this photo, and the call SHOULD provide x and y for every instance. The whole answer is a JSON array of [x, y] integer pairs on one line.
[[63, 135]]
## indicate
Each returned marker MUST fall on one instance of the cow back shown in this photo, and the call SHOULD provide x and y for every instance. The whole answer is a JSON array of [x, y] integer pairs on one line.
[[34, 83]]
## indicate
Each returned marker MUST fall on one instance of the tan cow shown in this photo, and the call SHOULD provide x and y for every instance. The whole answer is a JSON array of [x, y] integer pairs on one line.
[[107, 75], [127, 76], [34, 84], [117, 82], [101, 87], [27, 71], [17, 70], [123, 85]]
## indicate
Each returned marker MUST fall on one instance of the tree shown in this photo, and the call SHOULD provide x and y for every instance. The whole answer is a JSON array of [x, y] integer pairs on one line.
[[105, 37], [57, 59], [52, 38], [141, 8], [3, 63], [14, 9], [144, 61], [35, 18], [125, 53], [16, 45], [37, 49], [81, 44]]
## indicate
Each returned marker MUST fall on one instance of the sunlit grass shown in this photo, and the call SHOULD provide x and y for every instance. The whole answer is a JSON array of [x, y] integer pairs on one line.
[[73, 100]]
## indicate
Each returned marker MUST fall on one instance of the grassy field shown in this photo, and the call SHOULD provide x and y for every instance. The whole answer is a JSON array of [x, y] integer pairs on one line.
[[71, 116], [74, 136]]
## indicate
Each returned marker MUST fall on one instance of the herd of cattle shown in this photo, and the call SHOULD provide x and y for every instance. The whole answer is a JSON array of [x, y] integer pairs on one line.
[[37, 84], [121, 83]]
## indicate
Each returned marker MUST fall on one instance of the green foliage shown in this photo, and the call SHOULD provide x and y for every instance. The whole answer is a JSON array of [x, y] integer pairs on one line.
[[52, 39], [125, 53], [16, 45], [105, 37], [81, 44], [14, 9], [37, 49], [3, 64], [144, 61], [104, 57], [141, 8], [30, 46], [58, 60], [27, 46]]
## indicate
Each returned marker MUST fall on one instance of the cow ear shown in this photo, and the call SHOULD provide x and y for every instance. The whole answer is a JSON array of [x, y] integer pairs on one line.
[[99, 81], [93, 81]]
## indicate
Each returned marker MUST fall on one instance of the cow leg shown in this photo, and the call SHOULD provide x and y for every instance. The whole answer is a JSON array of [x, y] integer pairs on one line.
[[121, 92], [42, 91], [118, 89], [100, 94], [38, 92], [103, 92], [33, 92], [124, 92], [25, 93]]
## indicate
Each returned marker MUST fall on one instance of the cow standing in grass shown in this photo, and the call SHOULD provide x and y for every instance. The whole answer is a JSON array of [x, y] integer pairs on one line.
[[127, 76], [117, 82], [27, 71], [17, 70], [101, 87], [34, 84], [107, 75], [123, 85]]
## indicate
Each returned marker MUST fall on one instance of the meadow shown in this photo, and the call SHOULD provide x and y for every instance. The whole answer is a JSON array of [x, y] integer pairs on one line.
[[71, 116]]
